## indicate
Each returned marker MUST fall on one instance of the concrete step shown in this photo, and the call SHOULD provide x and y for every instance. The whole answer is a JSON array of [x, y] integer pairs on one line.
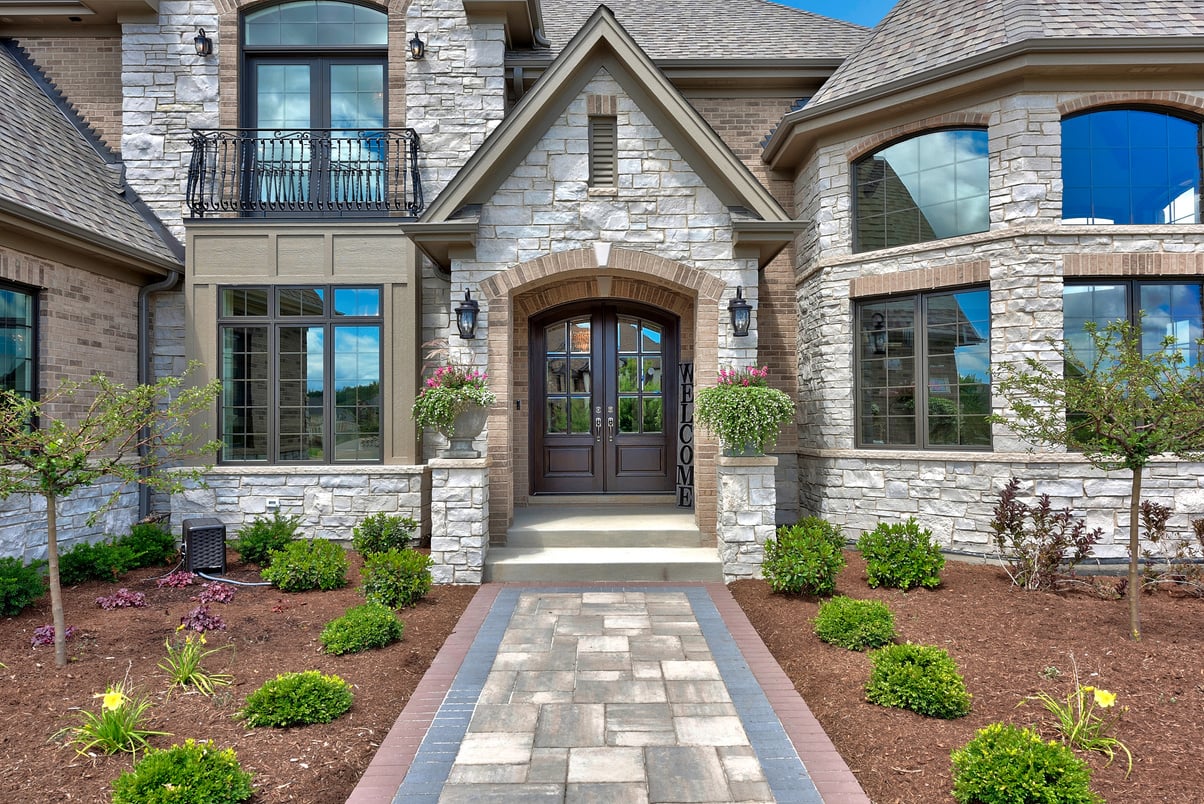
[[576, 564], [612, 525]]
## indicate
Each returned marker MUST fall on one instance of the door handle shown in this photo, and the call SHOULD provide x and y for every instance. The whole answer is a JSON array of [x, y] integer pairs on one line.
[[610, 427], [598, 429]]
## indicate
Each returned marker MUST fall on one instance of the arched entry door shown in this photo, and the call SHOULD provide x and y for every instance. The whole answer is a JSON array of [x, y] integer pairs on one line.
[[603, 399]]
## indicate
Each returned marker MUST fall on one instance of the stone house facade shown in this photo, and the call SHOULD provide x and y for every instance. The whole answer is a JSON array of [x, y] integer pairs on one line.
[[901, 208]]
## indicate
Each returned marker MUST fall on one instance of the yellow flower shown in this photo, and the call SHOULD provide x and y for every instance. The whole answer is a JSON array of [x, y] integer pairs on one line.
[[1088, 689], [1105, 698], [113, 699]]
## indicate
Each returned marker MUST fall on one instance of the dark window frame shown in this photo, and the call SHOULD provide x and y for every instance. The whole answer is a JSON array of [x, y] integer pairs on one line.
[[1131, 284], [273, 322], [34, 294], [856, 191], [863, 328], [1178, 114]]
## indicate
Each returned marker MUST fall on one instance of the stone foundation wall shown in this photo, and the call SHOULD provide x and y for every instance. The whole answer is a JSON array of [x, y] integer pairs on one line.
[[23, 519]]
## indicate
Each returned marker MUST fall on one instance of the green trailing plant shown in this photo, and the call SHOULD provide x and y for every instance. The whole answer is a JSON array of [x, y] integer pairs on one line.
[[1120, 407], [901, 555], [151, 543], [396, 578], [298, 699], [1006, 764], [192, 773], [263, 536], [307, 564], [119, 726], [134, 435], [380, 532], [921, 678], [1036, 541], [855, 624], [742, 410], [20, 585], [804, 558], [364, 627], [183, 664], [448, 393]]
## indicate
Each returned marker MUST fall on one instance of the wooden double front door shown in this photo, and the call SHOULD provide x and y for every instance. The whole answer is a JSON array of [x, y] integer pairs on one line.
[[603, 400]]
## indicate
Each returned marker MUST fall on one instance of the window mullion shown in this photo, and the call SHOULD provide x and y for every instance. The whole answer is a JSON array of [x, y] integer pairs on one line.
[[921, 357]]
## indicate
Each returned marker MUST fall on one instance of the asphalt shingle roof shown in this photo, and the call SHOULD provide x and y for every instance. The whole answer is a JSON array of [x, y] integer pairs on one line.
[[49, 167], [711, 29], [921, 35]]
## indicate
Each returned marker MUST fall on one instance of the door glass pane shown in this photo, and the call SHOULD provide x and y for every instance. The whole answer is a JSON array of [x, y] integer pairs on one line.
[[568, 378], [357, 157], [628, 332], [579, 336], [629, 409], [581, 377], [302, 398], [282, 103], [555, 339], [629, 379], [557, 382], [654, 420], [357, 393], [556, 419], [579, 408], [651, 375], [246, 401], [651, 341]]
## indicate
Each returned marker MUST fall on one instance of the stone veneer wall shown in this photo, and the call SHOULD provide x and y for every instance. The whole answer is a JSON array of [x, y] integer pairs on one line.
[[23, 519], [1024, 258], [331, 500]]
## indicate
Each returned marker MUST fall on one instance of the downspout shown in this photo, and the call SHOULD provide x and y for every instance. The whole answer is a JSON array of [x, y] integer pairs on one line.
[[144, 368]]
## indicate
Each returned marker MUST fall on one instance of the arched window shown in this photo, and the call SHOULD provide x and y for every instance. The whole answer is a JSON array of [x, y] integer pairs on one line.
[[927, 187], [1130, 166]]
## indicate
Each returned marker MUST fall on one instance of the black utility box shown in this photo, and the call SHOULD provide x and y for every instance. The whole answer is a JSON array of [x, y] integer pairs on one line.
[[205, 545]]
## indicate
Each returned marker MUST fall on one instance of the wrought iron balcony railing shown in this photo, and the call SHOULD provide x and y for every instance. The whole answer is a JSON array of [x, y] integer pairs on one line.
[[311, 172]]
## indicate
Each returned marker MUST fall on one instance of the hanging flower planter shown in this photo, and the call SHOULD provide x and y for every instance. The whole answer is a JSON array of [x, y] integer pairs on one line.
[[743, 411], [455, 402]]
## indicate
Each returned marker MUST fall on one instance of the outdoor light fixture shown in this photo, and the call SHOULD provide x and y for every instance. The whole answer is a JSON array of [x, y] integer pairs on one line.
[[204, 45], [878, 334], [741, 312], [417, 48], [466, 317]]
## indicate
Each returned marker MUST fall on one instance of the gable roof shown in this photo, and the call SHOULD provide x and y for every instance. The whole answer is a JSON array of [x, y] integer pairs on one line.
[[602, 43], [716, 30], [922, 35], [56, 176]]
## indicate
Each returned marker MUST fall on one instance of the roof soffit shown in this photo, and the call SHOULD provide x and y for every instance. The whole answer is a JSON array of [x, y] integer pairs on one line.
[[603, 44]]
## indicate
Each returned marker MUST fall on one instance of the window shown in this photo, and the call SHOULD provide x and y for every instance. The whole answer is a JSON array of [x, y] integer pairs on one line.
[[1130, 166], [314, 89], [1171, 309], [18, 340], [923, 367], [603, 148], [300, 369], [927, 187]]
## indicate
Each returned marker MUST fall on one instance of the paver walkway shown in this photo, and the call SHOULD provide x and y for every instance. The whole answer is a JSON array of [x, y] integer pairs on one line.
[[605, 693]]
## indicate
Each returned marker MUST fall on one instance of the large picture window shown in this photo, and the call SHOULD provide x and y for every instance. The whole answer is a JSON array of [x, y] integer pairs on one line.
[[18, 340], [923, 371], [300, 370], [1130, 166], [1164, 309], [928, 187]]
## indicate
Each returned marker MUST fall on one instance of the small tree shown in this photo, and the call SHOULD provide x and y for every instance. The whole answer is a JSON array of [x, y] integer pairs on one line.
[[1120, 410], [132, 434]]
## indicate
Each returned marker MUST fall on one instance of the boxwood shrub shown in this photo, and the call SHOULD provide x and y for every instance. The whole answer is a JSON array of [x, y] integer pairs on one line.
[[1006, 764], [855, 624], [307, 564], [258, 540], [396, 578], [901, 555], [921, 678], [361, 628], [192, 773], [380, 532], [298, 699], [20, 584], [804, 558]]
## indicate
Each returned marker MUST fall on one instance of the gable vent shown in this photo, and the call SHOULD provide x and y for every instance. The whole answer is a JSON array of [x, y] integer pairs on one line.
[[603, 151]]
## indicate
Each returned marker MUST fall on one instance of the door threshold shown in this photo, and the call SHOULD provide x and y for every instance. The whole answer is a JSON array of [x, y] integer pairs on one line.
[[602, 499]]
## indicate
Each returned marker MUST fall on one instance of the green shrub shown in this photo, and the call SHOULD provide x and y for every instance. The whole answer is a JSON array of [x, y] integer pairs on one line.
[[151, 544], [804, 558], [361, 628], [307, 564], [381, 532], [855, 624], [396, 578], [257, 541], [192, 773], [99, 561], [1006, 764], [901, 555], [921, 678], [298, 699], [20, 585]]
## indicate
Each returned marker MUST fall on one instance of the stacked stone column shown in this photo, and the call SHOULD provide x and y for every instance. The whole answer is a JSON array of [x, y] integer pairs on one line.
[[747, 514], [459, 519]]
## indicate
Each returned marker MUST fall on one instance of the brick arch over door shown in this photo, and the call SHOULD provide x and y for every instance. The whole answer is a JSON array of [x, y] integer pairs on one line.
[[514, 295]]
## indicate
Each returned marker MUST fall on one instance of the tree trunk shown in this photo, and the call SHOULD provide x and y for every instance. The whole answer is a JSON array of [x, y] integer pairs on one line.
[[1134, 585], [52, 575]]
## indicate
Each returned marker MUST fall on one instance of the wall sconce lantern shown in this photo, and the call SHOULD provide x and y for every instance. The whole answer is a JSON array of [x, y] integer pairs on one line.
[[741, 312], [877, 334], [202, 43], [417, 48], [466, 316]]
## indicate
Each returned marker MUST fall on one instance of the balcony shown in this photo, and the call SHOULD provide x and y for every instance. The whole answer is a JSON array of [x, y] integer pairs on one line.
[[259, 173]]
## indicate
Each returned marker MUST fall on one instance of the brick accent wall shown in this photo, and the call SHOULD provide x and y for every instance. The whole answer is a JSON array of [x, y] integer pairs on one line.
[[87, 71]]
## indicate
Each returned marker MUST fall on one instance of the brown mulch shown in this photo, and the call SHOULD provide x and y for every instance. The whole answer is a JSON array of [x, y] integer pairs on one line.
[[1007, 643], [269, 632]]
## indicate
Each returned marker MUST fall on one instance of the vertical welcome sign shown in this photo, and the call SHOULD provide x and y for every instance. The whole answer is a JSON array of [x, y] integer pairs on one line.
[[685, 436]]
